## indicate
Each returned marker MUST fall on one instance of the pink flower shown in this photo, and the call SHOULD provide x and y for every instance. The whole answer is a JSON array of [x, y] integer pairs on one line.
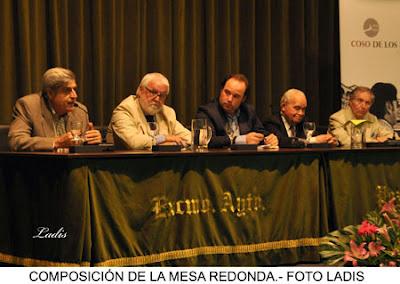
[[384, 232], [348, 258], [389, 207], [368, 243], [375, 248], [367, 228], [356, 252], [396, 222]]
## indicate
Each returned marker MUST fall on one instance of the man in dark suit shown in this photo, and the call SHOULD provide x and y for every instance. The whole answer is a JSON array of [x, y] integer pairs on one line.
[[289, 123], [232, 120], [42, 121]]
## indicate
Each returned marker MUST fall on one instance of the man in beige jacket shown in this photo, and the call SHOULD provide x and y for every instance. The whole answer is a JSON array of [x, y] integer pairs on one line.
[[42, 121], [130, 126], [340, 124]]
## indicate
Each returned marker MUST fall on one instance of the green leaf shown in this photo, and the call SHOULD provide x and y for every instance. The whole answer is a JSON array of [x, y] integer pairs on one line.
[[330, 253], [336, 262], [352, 230]]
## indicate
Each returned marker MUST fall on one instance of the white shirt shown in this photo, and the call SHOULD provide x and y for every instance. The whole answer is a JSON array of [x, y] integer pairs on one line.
[[291, 130]]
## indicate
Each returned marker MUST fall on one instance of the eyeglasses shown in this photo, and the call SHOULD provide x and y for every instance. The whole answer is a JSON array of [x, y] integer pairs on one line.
[[69, 89], [154, 93]]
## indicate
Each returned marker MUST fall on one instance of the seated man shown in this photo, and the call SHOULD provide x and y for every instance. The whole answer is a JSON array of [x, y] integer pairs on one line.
[[129, 126], [291, 119], [42, 121], [230, 114], [360, 102]]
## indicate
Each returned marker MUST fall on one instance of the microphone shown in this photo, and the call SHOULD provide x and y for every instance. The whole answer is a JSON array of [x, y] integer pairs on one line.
[[84, 109], [90, 124], [81, 107]]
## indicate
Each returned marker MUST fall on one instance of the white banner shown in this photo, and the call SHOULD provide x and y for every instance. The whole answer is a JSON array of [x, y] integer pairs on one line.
[[370, 52], [202, 275]]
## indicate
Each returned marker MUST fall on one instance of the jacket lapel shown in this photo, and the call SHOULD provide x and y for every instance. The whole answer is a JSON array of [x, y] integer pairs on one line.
[[162, 121], [243, 123], [137, 112], [282, 126], [47, 119]]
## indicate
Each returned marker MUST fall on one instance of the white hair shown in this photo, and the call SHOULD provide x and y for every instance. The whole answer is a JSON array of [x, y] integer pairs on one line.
[[289, 94], [57, 77], [152, 77]]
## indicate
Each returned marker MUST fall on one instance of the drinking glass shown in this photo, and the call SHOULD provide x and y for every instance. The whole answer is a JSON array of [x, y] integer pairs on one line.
[[153, 126], [201, 134], [204, 137], [76, 130], [357, 137], [309, 128], [229, 131]]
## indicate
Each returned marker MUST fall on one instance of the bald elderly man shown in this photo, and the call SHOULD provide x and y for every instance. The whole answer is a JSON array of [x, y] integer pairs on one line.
[[289, 122]]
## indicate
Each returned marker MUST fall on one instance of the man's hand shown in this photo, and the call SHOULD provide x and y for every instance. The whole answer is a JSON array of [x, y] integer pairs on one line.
[[326, 138], [172, 139], [271, 140], [92, 136], [381, 138], [63, 141], [254, 137]]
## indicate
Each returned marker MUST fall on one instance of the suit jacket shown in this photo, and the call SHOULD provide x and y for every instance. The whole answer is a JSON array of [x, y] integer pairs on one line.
[[275, 125], [129, 128], [340, 126], [32, 127], [248, 122]]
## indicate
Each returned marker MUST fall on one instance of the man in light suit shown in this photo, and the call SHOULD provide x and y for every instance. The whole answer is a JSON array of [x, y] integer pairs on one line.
[[360, 102], [42, 121], [129, 127]]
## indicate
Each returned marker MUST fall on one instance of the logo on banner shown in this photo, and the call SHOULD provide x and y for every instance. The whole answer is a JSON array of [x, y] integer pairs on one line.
[[371, 30], [371, 27], [240, 205]]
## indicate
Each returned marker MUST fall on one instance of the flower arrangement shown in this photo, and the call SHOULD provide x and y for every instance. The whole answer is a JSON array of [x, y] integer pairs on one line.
[[375, 242]]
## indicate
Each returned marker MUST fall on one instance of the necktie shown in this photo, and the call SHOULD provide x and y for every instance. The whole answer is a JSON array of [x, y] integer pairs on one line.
[[293, 131], [60, 127]]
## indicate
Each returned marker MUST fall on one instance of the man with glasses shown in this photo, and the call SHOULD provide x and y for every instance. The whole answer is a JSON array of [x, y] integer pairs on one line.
[[340, 123], [232, 120], [288, 125], [42, 121], [143, 120]]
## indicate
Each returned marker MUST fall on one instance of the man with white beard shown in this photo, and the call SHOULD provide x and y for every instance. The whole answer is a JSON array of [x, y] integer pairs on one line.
[[143, 120]]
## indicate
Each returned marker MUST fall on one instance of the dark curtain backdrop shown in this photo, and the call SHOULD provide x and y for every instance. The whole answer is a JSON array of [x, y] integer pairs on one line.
[[110, 45]]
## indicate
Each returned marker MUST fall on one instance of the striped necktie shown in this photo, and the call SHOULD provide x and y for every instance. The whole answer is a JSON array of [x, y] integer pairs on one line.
[[60, 126]]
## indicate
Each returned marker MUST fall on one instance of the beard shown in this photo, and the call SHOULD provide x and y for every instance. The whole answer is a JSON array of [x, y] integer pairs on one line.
[[152, 109]]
